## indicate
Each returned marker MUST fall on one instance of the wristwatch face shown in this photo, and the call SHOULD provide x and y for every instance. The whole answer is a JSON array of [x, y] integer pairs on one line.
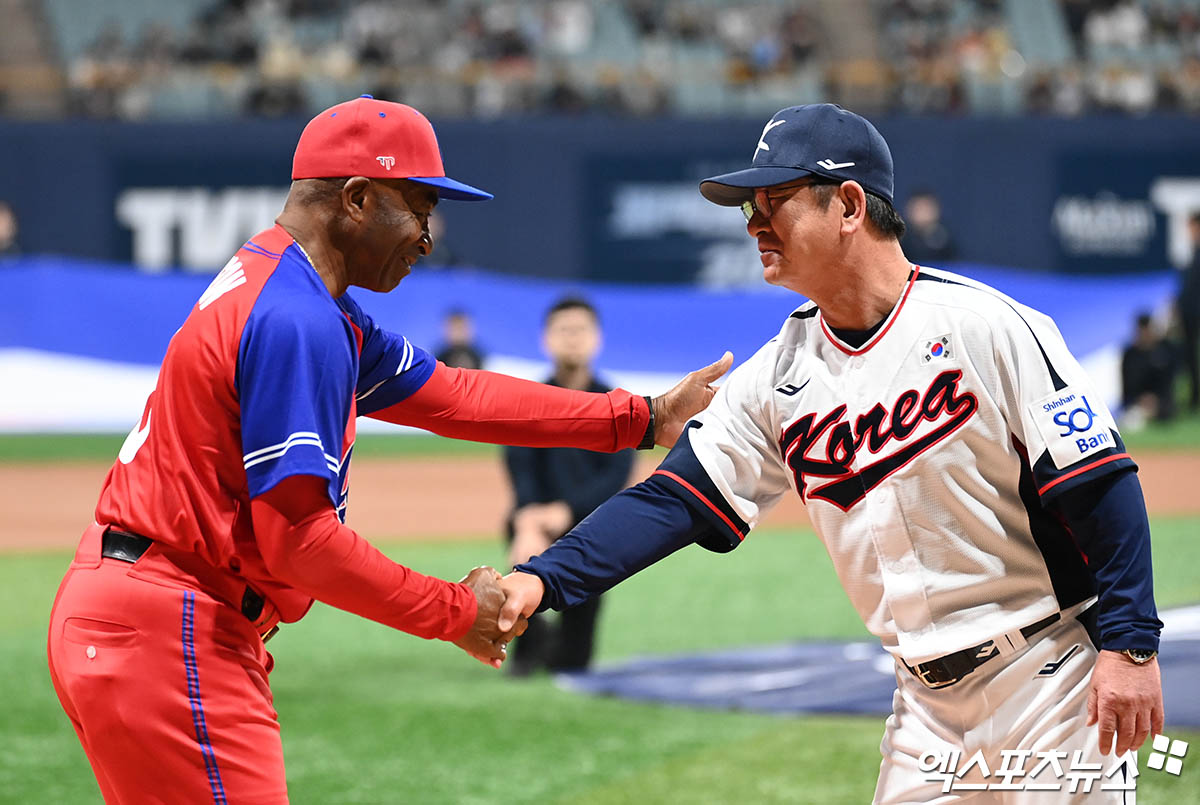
[[1140, 655]]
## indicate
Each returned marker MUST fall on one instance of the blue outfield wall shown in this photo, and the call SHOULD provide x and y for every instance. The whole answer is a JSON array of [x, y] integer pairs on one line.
[[107, 312]]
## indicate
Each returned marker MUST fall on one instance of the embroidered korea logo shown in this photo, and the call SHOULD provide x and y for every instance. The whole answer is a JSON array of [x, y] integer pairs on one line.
[[942, 404]]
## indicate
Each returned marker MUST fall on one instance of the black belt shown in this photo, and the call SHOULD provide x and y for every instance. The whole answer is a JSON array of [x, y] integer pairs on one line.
[[126, 547], [945, 671]]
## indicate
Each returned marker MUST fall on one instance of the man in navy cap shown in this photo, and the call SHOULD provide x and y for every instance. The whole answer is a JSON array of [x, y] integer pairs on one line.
[[969, 484]]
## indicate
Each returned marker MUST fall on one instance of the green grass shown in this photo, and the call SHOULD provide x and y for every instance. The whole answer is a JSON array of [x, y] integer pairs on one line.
[[373, 716], [1183, 433], [104, 446]]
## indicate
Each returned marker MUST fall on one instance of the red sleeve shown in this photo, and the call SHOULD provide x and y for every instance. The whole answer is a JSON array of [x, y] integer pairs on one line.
[[323, 558], [489, 407]]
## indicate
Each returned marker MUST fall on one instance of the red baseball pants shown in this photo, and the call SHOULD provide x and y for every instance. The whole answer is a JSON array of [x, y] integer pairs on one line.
[[166, 687]]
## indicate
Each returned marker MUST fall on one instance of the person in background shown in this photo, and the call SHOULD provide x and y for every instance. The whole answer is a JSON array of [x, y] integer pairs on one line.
[[1188, 310], [555, 488], [9, 230], [460, 349], [1148, 368], [445, 254], [927, 240]]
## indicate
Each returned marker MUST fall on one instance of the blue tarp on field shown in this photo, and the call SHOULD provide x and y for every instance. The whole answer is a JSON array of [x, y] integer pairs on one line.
[[831, 677]]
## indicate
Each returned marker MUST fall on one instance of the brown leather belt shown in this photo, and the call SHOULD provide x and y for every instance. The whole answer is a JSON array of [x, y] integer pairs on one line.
[[945, 671], [126, 547]]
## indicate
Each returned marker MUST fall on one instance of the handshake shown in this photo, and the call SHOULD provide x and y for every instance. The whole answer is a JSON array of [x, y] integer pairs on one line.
[[504, 606]]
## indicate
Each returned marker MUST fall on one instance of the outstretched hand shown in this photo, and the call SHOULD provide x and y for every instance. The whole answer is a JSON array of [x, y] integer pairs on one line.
[[485, 641], [689, 397], [522, 596]]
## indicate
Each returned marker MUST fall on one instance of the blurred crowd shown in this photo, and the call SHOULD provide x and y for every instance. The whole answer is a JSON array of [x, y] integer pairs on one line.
[[644, 57], [1136, 57], [281, 57]]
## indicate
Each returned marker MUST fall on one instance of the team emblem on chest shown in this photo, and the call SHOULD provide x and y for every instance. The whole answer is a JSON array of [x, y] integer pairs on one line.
[[817, 446]]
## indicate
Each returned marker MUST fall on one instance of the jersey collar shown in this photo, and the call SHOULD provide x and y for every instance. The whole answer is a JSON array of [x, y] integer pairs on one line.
[[882, 331]]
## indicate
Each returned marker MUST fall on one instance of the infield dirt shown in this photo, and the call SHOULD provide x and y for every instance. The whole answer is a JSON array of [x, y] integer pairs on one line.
[[454, 497]]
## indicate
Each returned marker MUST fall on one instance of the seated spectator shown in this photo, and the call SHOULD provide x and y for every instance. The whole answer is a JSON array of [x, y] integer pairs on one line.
[[1148, 369], [460, 350]]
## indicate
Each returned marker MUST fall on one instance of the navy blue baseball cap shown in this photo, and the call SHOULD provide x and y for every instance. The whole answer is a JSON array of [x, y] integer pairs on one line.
[[820, 139]]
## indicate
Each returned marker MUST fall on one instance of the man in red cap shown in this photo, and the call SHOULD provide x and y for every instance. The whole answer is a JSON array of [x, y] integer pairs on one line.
[[223, 514]]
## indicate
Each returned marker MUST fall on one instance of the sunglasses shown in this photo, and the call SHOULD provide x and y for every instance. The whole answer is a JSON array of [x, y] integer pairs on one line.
[[761, 202]]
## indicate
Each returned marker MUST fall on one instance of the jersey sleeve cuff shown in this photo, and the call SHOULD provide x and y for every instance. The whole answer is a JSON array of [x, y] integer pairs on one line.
[[1134, 637], [683, 474], [728, 530], [1052, 482]]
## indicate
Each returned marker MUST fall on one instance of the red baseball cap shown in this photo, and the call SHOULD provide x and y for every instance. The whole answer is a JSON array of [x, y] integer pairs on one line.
[[379, 140]]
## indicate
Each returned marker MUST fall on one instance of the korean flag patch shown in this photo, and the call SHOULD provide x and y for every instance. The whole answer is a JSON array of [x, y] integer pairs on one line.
[[937, 349]]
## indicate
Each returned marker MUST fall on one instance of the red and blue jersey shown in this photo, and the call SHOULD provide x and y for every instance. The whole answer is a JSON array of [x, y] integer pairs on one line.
[[263, 381]]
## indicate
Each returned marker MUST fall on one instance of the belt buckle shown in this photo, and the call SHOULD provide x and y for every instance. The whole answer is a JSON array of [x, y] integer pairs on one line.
[[925, 676]]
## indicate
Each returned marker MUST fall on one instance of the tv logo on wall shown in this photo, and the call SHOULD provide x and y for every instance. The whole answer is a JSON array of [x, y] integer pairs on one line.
[[195, 228]]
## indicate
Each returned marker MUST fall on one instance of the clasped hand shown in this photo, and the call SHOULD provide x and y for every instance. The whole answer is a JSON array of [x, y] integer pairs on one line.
[[485, 640], [504, 607]]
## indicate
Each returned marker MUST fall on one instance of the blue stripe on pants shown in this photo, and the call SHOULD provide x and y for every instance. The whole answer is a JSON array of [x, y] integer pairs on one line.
[[193, 680]]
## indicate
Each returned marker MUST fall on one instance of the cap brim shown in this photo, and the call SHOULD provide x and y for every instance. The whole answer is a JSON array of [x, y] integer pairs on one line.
[[453, 189], [731, 189]]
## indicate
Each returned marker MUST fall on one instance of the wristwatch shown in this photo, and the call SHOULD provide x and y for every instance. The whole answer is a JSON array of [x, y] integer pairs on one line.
[[1140, 656]]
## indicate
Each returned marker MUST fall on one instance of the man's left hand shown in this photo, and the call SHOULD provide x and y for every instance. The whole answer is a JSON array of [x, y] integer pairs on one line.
[[1125, 700]]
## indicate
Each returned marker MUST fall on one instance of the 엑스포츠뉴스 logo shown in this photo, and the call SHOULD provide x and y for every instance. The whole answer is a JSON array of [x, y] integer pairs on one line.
[[1167, 755]]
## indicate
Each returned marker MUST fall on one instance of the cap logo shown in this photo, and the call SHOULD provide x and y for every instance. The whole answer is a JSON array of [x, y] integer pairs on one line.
[[762, 142], [830, 165], [388, 162]]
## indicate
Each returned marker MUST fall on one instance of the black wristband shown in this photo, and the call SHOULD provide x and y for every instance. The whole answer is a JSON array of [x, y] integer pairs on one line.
[[647, 441]]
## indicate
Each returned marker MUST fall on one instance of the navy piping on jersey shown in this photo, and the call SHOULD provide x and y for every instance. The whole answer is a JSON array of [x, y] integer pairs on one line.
[[1059, 385], [1064, 558], [805, 314]]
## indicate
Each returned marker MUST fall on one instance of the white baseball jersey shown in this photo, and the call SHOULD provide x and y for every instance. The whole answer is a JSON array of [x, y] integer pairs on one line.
[[923, 457]]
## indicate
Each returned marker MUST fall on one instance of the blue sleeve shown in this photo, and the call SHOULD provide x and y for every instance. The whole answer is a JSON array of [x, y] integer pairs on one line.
[[1052, 481], [295, 379], [630, 532], [682, 472], [1107, 516], [391, 368]]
